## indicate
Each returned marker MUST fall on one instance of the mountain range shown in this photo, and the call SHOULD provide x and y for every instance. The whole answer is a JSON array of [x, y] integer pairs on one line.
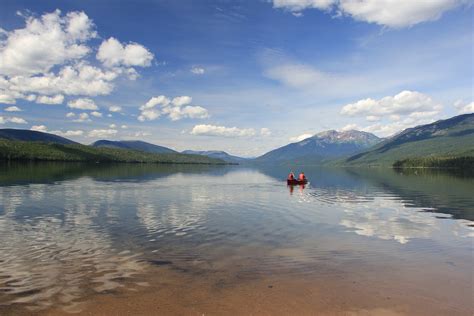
[[450, 138], [427, 145], [133, 145], [322, 146], [216, 154]]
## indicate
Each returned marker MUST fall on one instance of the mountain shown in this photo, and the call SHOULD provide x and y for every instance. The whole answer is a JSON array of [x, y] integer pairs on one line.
[[134, 145], [216, 154], [41, 151], [425, 145], [324, 145], [33, 136]]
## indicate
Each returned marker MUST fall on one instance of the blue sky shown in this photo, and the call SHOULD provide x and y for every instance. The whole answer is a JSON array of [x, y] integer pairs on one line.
[[240, 76]]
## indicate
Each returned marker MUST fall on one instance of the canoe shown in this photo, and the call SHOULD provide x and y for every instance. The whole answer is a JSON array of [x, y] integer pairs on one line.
[[296, 182]]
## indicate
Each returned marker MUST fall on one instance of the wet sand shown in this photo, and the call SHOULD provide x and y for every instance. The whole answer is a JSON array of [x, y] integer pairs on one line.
[[169, 290]]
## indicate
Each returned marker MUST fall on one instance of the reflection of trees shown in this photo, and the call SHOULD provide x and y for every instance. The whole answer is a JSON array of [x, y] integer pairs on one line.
[[49, 172]]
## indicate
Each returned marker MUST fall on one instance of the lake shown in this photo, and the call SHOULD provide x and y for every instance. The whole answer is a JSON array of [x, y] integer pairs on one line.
[[157, 239]]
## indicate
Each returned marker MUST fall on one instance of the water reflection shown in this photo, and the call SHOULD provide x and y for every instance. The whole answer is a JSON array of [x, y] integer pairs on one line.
[[69, 231]]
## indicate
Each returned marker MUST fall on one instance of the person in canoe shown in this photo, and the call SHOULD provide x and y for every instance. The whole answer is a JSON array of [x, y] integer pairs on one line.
[[302, 177], [291, 176]]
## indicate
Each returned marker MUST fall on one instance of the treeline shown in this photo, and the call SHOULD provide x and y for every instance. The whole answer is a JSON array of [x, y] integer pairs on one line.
[[464, 163], [38, 151]]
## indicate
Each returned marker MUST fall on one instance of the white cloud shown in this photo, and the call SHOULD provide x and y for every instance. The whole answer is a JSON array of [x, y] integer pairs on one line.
[[299, 5], [349, 127], [154, 101], [173, 109], [48, 57], [70, 114], [69, 133], [141, 134], [124, 126], [96, 114], [464, 108], [82, 104], [44, 129], [183, 100], [102, 133], [83, 117], [301, 137], [177, 113], [198, 70], [39, 128], [57, 99], [45, 42], [112, 126], [372, 118], [396, 14], [265, 132], [112, 53], [314, 81], [7, 98], [12, 119], [149, 115], [213, 130], [115, 108], [404, 103], [12, 109]]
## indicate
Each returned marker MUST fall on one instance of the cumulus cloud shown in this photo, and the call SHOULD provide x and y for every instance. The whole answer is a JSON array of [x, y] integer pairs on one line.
[[12, 119], [394, 113], [113, 53], [69, 133], [7, 98], [265, 132], [12, 109], [102, 133], [83, 117], [82, 104], [183, 100], [45, 42], [405, 103], [176, 113], [70, 114], [198, 70], [115, 108], [48, 56], [96, 114], [301, 137], [395, 14], [213, 130], [349, 127], [39, 128], [57, 99], [174, 109], [464, 108]]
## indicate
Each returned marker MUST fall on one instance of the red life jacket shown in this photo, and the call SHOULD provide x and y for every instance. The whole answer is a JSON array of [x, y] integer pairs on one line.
[[291, 176], [302, 177]]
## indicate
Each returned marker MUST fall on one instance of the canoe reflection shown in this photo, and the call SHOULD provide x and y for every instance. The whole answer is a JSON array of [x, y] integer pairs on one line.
[[291, 187]]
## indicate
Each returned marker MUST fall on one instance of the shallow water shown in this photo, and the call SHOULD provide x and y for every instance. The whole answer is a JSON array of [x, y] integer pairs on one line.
[[71, 233]]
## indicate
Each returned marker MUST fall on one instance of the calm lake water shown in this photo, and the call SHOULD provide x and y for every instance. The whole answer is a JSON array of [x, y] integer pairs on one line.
[[71, 234]]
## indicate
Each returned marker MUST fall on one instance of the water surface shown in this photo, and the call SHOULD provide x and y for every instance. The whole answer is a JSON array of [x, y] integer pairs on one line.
[[234, 239]]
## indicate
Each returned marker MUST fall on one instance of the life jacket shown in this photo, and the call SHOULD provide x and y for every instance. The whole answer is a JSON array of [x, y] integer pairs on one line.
[[291, 176], [301, 176]]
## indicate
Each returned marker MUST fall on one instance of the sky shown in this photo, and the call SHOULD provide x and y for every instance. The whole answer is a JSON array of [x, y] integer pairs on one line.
[[240, 76]]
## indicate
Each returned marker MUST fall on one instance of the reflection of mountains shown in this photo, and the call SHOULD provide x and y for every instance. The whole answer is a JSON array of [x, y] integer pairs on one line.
[[437, 192], [433, 191], [49, 172]]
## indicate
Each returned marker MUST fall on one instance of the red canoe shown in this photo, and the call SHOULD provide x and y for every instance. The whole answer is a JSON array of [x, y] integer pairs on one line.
[[296, 181]]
